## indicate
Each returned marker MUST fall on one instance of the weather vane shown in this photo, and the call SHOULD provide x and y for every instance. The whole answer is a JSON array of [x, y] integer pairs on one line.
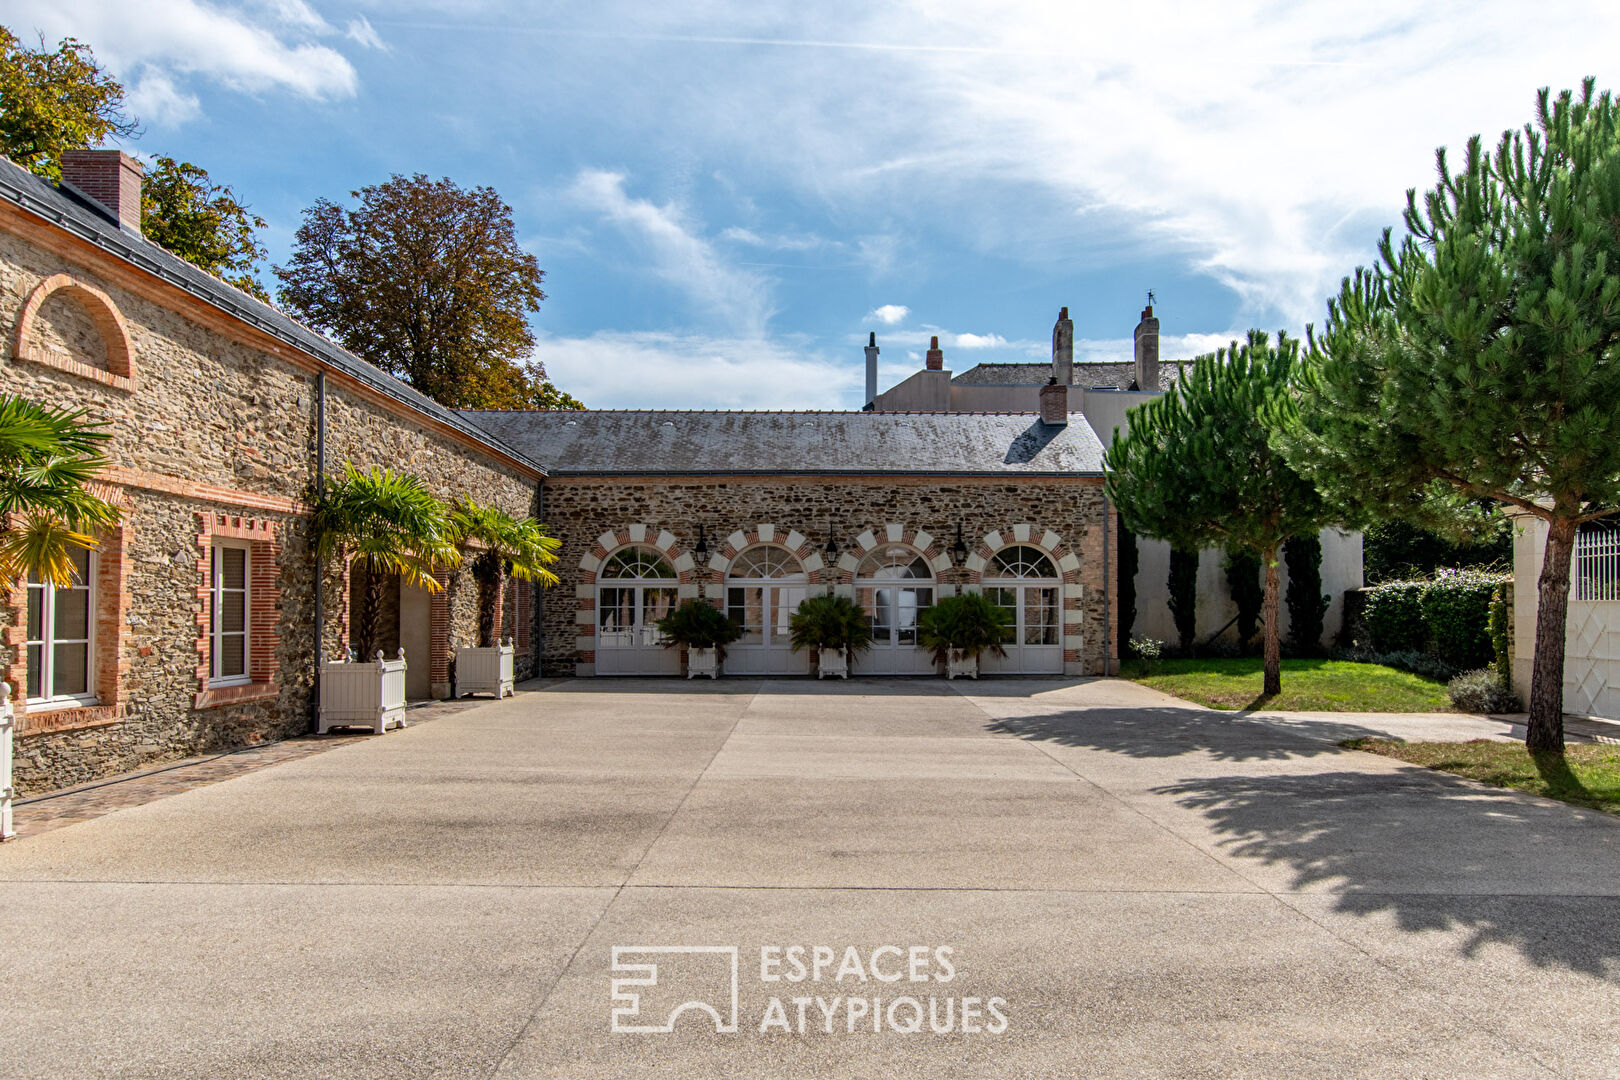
[[1150, 298]]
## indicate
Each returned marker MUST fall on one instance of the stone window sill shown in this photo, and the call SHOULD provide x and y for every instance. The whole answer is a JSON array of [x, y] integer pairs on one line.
[[45, 721], [236, 695]]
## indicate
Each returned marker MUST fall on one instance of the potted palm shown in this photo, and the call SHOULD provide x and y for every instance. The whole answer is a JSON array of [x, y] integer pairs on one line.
[[959, 629], [836, 627], [505, 545], [383, 524], [48, 457], [703, 631]]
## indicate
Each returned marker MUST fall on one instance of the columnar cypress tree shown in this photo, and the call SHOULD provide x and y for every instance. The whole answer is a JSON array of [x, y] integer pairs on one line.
[[1481, 356], [1183, 589], [1198, 468], [1128, 562], [1307, 603], [1243, 583]]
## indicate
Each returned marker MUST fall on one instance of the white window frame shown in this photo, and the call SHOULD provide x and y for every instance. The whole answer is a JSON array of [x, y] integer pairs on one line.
[[47, 642], [216, 590]]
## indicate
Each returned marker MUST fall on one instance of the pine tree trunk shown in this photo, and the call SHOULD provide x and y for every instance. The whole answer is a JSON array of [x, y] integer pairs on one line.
[[1273, 685], [1546, 726], [370, 613]]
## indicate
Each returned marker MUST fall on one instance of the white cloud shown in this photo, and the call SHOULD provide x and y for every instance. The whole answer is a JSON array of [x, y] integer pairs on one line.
[[267, 47], [735, 298], [689, 371], [154, 98], [889, 314], [979, 341], [362, 32], [783, 242]]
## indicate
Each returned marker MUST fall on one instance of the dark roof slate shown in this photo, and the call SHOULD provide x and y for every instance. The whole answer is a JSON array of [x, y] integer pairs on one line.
[[1105, 375], [83, 217], [649, 442]]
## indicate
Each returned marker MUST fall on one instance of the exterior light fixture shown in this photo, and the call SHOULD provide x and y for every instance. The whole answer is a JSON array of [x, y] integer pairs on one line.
[[702, 549], [830, 552], [959, 552]]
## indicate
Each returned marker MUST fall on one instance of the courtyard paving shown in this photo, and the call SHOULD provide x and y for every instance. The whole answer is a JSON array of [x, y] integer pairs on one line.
[[1153, 890]]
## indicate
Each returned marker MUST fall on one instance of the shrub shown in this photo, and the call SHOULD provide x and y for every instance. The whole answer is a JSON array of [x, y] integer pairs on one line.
[[834, 623], [1502, 632], [1418, 663], [1456, 613], [1394, 616], [1481, 691], [968, 622], [698, 625], [1243, 582], [1183, 590], [1307, 604], [1148, 652]]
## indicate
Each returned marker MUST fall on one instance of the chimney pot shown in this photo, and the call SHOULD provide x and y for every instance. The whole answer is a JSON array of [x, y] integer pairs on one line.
[[1055, 403], [871, 366], [1147, 351], [110, 177], [936, 358]]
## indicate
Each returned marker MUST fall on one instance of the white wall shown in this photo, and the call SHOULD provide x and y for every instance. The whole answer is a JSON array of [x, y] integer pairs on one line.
[[1591, 632]]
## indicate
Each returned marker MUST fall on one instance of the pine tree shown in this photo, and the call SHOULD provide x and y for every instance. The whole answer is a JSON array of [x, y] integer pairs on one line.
[[1198, 468], [1480, 357]]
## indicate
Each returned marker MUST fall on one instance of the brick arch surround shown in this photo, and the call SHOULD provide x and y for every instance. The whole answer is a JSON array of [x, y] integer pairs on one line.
[[931, 548], [792, 540], [109, 322], [1063, 557], [590, 564]]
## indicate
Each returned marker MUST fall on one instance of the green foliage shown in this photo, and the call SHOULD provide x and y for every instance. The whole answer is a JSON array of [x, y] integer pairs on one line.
[[1182, 586], [183, 210], [1148, 652], [695, 624], [1456, 614], [1501, 631], [969, 623], [1398, 550], [386, 524], [1481, 691], [1307, 603], [1129, 560], [51, 101], [1243, 583], [427, 281], [1394, 616], [1479, 353], [48, 458], [507, 545], [836, 623]]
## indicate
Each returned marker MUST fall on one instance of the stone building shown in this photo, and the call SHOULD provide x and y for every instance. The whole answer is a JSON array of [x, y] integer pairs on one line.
[[193, 628]]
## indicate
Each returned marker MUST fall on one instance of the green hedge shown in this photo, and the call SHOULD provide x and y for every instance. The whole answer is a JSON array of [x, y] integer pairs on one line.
[[1449, 616]]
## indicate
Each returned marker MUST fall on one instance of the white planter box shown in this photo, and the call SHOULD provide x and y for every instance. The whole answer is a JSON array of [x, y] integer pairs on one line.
[[961, 664], [830, 662], [702, 662], [485, 671], [6, 831], [363, 694]]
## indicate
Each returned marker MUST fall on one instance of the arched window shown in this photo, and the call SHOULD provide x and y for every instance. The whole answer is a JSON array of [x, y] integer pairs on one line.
[[894, 564], [636, 587], [894, 584], [637, 564], [1021, 561], [764, 562], [1024, 583], [764, 587]]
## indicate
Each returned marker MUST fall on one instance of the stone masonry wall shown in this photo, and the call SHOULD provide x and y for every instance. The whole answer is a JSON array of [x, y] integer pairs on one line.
[[580, 510], [212, 433]]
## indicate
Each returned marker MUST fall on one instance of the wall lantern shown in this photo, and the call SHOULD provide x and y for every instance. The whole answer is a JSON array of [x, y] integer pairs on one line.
[[959, 552], [702, 549], [830, 552]]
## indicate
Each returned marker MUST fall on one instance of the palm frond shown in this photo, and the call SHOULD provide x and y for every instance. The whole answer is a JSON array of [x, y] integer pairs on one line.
[[41, 546]]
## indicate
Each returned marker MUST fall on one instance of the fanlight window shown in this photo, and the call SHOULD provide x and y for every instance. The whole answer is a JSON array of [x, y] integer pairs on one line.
[[895, 564], [1021, 562], [765, 562], [641, 564]]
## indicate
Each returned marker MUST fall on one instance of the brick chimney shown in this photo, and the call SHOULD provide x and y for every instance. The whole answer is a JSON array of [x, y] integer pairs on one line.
[[1063, 349], [1055, 403], [936, 358], [871, 366], [1147, 351], [112, 178]]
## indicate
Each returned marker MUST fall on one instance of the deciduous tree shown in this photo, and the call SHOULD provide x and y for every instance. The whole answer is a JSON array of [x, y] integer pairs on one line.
[[1481, 353], [182, 209], [55, 100], [1198, 468], [426, 280]]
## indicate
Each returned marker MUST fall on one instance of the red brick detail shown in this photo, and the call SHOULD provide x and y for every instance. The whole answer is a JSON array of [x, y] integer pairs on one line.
[[120, 370], [264, 606], [584, 604], [524, 617]]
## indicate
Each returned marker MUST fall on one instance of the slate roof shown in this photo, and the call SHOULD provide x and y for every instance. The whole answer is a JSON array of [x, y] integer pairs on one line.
[[650, 442], [1106, 375], [87, 219]]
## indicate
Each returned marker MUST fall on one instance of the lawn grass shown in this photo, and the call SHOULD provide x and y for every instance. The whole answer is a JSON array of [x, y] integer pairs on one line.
[[1307, 686], [1583, 775]]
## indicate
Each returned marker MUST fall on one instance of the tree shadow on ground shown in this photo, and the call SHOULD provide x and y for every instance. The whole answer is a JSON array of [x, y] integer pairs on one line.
[[1170, 732]]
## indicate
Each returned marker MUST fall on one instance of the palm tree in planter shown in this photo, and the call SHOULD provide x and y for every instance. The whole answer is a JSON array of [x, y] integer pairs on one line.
[[836, 627], [959, 629], [703, 631], [385, 525], [505, 545]]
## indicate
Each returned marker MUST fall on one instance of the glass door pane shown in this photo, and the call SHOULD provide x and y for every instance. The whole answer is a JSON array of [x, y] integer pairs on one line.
[[882, 616], [785, 600], [910, 603], [1040, 615], [656, 602], [745, 605], [615, 617], [1006, 598]]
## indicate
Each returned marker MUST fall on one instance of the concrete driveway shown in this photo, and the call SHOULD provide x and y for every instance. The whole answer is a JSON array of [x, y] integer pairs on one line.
[[1151, 890]]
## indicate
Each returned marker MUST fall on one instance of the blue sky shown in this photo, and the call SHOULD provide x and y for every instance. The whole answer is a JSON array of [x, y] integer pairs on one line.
[[727, 196]]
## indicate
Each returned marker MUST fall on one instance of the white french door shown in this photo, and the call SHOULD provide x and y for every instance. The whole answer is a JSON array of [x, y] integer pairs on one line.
[[764, 609], [893, 609], [1034, 640], [627, 637]]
